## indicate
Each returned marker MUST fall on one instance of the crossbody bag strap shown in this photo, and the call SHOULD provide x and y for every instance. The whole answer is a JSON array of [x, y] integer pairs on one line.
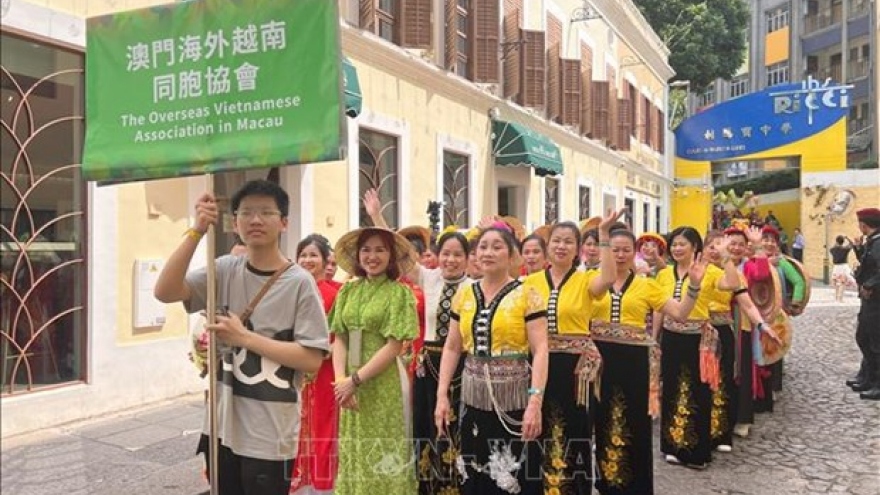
[[263, 290]]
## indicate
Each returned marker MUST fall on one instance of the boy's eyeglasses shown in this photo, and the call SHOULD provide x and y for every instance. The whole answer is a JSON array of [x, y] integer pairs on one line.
[[263, 214]]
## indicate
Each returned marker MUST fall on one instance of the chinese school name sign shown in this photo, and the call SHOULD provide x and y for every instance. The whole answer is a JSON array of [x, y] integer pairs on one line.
[[762, 121], [212, 85]]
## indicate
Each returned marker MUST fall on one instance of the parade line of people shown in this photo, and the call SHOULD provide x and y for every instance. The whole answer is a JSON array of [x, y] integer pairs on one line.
[[486, 360]]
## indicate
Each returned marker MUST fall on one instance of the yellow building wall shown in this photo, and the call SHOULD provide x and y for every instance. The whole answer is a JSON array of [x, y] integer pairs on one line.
[[691, 206], [428, 115], [151, 218], [776, 47], [788, 212], [815, 228]]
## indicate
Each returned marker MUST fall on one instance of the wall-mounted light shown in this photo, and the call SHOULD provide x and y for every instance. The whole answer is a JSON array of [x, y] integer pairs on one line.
[[494, 113], [585, 13], [629, 61]]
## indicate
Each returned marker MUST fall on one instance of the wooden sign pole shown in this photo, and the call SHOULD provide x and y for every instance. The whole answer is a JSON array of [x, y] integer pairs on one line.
[[214, 363]]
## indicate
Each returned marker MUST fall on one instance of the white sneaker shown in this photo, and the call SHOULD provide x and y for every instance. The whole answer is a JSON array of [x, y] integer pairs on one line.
[[741, 430], [724, 448], [671, 459]]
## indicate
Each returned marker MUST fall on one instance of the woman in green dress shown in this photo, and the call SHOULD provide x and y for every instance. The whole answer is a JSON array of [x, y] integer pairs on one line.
[[371, 317]]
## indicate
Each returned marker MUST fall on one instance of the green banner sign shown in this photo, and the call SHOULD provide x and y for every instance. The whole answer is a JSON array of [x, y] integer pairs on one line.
[[212, 85]]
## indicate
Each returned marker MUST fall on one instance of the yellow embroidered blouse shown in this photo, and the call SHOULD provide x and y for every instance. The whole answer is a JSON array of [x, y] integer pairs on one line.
[[572, 303], [506, 335], [642, 297], [721, 300], [708, 288]]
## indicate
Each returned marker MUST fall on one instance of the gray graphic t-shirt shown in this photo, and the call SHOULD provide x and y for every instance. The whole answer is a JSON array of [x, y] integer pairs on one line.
[[258, 407]]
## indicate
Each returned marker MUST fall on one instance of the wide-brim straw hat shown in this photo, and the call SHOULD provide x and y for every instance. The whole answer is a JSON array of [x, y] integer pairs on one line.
[[346, 250], [423, 233], [519, 231], [543, 232], [590, 224]]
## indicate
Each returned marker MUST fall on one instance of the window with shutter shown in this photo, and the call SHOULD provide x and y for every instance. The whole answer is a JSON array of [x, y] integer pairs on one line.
[[368, 15], [458, 38], [387, 15], [586, 89], [486, 19], [554, 50], [652, 126], [532, 64], [633, 95], [661, 131], [612, 105], [512, 58], [571, 93], [645, 120], [624, 123], [600, 109], [415, 28]]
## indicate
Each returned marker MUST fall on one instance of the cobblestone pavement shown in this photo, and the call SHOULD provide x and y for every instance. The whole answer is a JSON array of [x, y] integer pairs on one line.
[[821, 439]]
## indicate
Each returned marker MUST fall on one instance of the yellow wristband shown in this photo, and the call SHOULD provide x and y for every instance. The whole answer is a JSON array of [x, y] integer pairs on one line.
[[194, 234]]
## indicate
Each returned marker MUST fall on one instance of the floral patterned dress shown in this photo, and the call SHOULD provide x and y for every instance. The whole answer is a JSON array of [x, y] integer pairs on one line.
[[375, 449]]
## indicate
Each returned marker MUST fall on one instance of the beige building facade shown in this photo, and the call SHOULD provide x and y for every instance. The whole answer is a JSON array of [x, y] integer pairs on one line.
[[585, 81]]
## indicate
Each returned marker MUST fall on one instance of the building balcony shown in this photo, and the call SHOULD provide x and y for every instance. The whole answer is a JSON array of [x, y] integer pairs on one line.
[[821, 73], [859, 8], [858, 69], [822, 19]]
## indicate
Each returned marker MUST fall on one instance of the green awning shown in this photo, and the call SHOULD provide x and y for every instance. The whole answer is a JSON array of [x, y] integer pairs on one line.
[[353, 98], [516, 145]]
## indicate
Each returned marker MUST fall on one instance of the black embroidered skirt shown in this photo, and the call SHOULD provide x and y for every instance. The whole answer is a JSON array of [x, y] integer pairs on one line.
[[435, 457], [624, 451], [687, 402]]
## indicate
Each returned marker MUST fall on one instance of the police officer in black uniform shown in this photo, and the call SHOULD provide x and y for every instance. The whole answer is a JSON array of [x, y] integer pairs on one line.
[[868, 330]]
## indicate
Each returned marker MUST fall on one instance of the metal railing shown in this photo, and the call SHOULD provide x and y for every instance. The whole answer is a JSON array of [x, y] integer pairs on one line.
[[859, 8], [858, 68], [823, 19]]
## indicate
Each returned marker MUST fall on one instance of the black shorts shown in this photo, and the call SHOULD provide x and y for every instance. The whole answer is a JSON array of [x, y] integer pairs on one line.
[[240, 475]]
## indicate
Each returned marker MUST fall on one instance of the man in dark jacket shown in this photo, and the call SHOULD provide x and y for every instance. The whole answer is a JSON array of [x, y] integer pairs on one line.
[[868, 330]]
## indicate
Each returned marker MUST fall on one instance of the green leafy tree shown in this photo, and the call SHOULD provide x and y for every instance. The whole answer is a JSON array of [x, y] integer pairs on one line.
[[707, 38]]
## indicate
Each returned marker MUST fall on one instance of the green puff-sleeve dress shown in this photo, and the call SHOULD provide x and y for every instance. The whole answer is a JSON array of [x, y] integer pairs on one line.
[[375, 455]]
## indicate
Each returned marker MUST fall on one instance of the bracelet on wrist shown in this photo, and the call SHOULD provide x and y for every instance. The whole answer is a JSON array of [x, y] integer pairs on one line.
[[536, 392], [194, 234], [356, 379]]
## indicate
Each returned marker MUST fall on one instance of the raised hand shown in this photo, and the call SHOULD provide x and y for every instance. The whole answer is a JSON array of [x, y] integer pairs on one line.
[[372, 203], [610, 217], [486, 222], [722, 246], [697, 270], [754, 235]]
